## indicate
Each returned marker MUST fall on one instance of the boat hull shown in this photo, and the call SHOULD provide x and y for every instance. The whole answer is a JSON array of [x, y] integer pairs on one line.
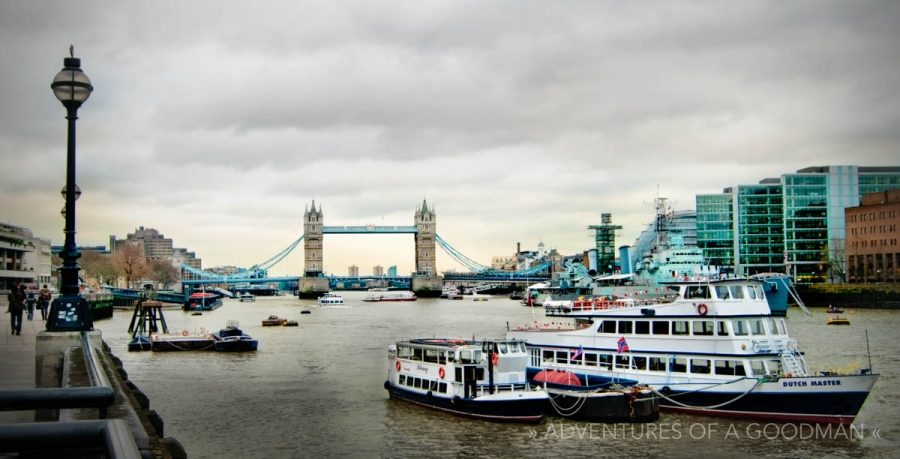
[[507, 410], [609, 407]]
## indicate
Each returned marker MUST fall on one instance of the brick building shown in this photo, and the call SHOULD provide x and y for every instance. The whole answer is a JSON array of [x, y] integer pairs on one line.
[[873, 238]]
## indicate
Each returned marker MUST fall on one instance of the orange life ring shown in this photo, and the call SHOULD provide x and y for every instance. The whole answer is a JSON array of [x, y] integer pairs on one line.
[[398, 365], [495, 358], [184, 332], [702, 309], [441, 372]]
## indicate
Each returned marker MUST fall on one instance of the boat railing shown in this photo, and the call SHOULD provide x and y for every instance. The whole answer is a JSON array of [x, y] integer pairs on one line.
[[598, 304], [485, 389]]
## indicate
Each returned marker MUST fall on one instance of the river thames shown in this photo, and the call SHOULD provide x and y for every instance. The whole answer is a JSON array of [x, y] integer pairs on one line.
[[317, 389]]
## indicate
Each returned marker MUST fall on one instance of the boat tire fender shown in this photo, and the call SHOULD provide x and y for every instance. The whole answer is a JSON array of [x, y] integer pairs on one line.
[[666, 390], [454, 400], [702, 309]]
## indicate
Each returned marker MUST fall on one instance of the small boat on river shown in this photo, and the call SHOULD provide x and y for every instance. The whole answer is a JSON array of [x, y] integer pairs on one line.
[[837, 320], [273, 321], [330, 299], [202, 301], [233, 339], [479, 379]]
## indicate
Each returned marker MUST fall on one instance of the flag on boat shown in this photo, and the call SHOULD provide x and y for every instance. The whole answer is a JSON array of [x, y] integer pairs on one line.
[[622, 345], [576, 353]]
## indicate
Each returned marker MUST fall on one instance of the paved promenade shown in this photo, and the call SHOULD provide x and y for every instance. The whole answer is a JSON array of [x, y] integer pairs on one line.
[[17, 359]]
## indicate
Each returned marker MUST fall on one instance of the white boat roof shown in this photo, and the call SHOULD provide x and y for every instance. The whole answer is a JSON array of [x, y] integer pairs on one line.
[[615, 277]]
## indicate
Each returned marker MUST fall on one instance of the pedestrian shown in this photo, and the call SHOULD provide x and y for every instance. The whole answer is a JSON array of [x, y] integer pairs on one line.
[[30, 301], [44, 301], [16, 305]]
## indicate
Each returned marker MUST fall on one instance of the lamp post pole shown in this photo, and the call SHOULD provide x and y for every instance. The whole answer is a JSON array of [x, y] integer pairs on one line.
[[70, 311]]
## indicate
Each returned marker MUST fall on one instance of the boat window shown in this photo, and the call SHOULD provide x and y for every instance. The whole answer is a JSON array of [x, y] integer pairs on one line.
[[782, 328], [522, 347], [756, 327], [479, 373], [607, 326], [722, 292], [442, 388], [660, 327], [605, 361], [431, 355], [703, 327], [679, 365], [639, 363], [562, 357], [622, 361], [774, 367], [771, 324], [739, 327], [680, 327], [590, 359], [451, 356], [737, 292], [547, 356], [760, 293], [657, 364], [625, 327], [721, 328], [417, 383], [417, 354], [642, 327], [433, 386], [466, 356], [404, 352], [402, 380], [503, 348], [697, 291], [700, 366], [757, 367], [728, 367], [458, 375], [751, 292], [476, 355]]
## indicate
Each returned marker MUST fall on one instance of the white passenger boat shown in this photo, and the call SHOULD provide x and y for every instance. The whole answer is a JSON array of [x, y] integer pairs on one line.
[[330, 299], [480, 379], [715, 349]]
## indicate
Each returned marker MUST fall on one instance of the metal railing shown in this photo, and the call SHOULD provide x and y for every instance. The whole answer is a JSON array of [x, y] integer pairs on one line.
[[112, 436]]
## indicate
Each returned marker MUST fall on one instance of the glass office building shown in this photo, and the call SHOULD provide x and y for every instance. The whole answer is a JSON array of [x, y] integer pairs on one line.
[[715, 229], [794, 224]]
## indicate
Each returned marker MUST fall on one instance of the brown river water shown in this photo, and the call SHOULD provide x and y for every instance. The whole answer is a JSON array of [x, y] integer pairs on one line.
[[317, 389]]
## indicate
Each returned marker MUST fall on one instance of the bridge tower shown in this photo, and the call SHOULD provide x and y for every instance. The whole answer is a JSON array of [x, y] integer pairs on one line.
[[312, 284], [425, 280]]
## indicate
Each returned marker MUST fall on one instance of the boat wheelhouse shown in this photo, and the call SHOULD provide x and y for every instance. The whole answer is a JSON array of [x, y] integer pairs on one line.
[[480, 379], [713, 349]]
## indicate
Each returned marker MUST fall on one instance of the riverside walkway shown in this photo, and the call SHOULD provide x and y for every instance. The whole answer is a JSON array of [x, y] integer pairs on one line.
[[125, 425]]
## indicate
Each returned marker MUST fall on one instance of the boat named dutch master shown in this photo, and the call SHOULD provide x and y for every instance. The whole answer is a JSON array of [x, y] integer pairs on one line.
[[713, 349]]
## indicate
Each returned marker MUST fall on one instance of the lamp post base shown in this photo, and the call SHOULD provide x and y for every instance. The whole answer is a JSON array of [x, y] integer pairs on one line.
[[70, 313]]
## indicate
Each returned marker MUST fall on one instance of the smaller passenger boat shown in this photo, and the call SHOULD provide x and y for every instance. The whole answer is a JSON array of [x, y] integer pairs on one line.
[[233, 339], [291, 323], [391, 296], [330, 299], [479, 379], [273, 321], [834, 310], [306, 311]]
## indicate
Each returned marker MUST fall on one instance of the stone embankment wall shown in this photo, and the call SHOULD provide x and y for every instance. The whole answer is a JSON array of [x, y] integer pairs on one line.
[[871, 296]]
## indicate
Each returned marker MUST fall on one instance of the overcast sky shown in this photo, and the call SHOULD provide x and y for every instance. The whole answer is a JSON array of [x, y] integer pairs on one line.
[[217, 122]]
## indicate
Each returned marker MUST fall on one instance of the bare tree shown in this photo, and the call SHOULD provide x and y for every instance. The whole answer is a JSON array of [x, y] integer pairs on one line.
[[97, 266], [162, 272], [836, 256], [130, 262]]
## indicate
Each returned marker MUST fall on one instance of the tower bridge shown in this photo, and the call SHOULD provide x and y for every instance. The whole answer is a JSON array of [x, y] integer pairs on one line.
[[425, 281]]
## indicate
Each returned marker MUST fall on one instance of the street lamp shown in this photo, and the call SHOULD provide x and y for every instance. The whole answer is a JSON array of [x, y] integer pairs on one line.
[[70, 311]]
